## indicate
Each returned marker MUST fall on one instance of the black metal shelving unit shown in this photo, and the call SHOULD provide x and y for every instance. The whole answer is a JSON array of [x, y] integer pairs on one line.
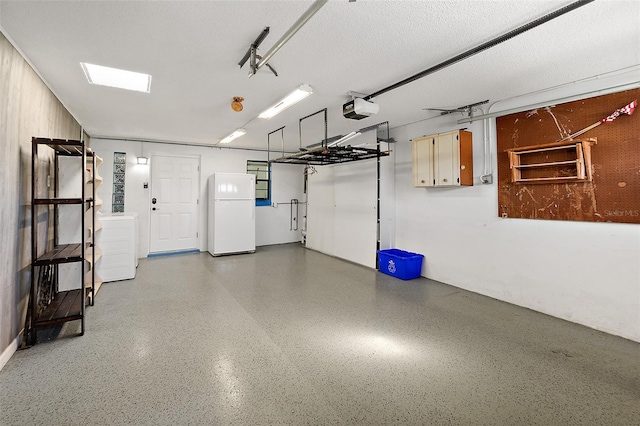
[[47, 304]]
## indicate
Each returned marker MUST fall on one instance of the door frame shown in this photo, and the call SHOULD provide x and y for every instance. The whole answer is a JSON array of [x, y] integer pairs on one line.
[[200, 197]]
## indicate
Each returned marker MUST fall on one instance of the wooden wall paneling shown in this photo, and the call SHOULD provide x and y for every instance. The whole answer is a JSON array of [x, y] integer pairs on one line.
[[8, 177], [27, 108], [609, 192]]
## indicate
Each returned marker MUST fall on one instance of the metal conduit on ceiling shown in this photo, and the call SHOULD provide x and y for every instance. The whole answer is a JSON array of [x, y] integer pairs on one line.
[[483, 46], [288, 34]]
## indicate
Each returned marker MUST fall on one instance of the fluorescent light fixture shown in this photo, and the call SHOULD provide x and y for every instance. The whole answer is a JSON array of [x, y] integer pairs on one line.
[[296, 96], [113, 77], [234, 135], [345, 138], [143, 160]]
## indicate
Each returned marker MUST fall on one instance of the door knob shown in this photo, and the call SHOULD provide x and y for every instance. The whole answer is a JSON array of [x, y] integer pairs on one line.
[[154, 209]]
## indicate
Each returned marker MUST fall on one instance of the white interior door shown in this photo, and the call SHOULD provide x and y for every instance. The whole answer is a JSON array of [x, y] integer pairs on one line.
[[174, 203]]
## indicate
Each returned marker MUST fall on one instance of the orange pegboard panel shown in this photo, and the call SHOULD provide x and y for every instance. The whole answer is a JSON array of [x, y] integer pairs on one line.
[[613, 194]]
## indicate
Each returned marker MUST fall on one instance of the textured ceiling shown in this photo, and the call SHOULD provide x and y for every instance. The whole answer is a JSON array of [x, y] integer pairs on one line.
[[192, 50]]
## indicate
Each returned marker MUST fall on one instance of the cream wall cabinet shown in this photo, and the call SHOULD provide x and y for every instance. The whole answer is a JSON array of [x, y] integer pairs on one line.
[[444, 159]]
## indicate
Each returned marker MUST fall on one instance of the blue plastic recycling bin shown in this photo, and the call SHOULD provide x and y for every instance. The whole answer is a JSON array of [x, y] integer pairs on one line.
[[400, 264]]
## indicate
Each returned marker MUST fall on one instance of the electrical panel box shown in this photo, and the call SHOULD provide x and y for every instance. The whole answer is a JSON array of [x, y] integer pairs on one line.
[[444, 159]]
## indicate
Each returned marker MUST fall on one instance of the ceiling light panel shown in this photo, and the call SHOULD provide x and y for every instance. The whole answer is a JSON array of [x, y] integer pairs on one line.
[[345, 138], [294, 97], [114, 77], [236, 134]]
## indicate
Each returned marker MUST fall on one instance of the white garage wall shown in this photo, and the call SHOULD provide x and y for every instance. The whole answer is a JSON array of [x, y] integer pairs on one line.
[[355, 214], [320, 208], [272, 223], [587, 273], [342, 210]]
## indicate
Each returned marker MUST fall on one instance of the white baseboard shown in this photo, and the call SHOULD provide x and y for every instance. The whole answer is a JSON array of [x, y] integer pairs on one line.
[[8, 353]]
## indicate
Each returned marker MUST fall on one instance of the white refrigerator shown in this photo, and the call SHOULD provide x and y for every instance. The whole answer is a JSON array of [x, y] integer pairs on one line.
[[232, 213]]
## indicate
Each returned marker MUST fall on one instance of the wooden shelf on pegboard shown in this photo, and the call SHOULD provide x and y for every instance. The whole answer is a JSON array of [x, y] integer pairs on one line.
[[557, 162]]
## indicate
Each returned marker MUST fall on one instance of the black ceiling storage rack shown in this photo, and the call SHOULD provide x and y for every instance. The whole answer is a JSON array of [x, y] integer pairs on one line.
[[327, 151], [322, 156], [47, 304]]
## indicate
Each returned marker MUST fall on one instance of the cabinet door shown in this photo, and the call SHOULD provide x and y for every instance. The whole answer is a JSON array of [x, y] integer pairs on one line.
[[447, 159], [423, 161]]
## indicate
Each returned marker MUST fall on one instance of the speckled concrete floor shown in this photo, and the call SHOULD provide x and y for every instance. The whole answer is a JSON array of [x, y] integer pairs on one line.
[[290, 336]]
